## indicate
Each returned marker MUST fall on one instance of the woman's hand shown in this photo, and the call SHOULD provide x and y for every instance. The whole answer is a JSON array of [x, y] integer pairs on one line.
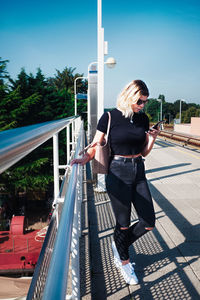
[[153, 133], [98, 138], [82, 161], [151, 136]]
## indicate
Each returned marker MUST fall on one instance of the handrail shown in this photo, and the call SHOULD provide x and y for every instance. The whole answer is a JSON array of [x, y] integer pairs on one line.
[[185, 138], [50, 279], [56, 282], [17, 143]]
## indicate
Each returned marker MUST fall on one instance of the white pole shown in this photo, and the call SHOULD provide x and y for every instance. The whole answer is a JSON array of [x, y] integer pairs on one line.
[[75, 94], [68, 144], [160, 109], [100, 55], [100, 81], [180, 112], [55, 165], [75, 105], [75, 98]]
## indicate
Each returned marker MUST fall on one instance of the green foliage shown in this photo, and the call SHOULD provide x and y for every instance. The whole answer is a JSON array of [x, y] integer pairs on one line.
[[3, 72], [152, 108], [187, 114], [29, 100], [171, 111], [15, 111]]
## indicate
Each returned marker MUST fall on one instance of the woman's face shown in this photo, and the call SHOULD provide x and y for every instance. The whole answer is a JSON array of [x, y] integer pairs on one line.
[[136, 107]]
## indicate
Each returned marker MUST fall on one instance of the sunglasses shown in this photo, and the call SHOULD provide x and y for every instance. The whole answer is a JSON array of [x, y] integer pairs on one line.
[[139, 102]]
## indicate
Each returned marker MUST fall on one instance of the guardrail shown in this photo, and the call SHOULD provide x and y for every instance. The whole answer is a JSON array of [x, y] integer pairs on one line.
[[51, 273], [62, 238], [17, 143], [182, 138]]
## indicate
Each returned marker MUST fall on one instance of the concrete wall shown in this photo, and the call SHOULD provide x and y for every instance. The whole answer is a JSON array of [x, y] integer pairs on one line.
[[193, 128], [182, 128]]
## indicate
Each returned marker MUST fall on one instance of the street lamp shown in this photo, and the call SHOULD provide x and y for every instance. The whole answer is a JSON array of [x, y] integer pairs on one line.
[[110, 62], [160, 100], [180, 112], [101, 51], [75, 94], [100, 59]]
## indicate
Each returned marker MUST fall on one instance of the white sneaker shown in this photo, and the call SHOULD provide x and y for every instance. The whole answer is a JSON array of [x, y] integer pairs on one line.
[[117, 259], [129, 274]]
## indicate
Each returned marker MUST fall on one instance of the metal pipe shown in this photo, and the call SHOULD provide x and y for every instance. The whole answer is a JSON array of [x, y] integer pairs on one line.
[[100, 55], [56, 283], [68, 145], [17, 143], [75, 93], [56, 165]]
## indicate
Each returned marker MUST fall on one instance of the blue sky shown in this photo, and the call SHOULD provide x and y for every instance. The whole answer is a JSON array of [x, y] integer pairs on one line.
[[157, 41]]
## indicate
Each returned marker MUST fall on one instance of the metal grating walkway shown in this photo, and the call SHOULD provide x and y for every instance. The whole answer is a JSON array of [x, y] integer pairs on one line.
[[168, 258]]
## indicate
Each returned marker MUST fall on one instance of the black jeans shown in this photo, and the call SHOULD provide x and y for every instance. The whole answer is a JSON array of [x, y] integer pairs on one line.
[[126, 183]]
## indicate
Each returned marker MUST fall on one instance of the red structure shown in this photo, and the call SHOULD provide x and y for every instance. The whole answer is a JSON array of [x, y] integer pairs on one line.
[[17, 225], [19, 250]]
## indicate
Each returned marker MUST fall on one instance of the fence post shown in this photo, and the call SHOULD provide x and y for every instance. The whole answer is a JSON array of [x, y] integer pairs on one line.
[[56, 165]]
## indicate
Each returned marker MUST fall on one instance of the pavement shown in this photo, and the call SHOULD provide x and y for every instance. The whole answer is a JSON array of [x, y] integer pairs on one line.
[[167, 259], [14, 288]]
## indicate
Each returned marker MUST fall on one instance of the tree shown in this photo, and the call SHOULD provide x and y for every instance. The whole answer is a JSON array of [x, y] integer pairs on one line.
[[153, 108], [3, 72], [3, 76], [34, 99], [187, 114]]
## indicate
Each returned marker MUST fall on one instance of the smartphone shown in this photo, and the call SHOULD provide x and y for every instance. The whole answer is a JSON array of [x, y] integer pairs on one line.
[[157, 125]]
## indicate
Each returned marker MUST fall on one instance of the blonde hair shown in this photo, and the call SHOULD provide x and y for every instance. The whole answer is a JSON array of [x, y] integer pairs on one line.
[[130, 95]]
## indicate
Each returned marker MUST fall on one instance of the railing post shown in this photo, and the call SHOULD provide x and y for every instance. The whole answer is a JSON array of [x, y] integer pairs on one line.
[[68, 144], [56, 165], [73, 135]]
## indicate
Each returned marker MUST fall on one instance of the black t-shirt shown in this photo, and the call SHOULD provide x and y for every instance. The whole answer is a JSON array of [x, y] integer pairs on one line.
[[126, 137]]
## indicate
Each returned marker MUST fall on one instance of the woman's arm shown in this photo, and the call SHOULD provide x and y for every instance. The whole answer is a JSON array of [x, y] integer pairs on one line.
[[150, 140], [89, 155]]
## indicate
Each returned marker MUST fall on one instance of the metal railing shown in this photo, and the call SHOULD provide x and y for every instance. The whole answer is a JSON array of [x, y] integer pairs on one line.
[[17, 143], [184, 139], [62, 238]]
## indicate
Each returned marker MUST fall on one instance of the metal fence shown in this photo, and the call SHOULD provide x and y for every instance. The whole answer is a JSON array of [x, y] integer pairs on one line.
[[62, 238], [184, 139]]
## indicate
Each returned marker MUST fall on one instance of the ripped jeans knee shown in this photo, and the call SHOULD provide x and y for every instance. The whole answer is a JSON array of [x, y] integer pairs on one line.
[[121, 237]]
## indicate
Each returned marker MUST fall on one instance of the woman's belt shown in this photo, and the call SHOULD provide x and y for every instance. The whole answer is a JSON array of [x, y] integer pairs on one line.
[[127, 159]]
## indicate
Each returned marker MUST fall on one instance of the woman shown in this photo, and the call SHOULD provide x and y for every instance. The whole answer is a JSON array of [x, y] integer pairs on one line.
[[130, 139]]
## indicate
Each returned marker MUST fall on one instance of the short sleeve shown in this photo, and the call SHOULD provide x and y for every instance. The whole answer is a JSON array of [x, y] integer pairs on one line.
[[103, 123]]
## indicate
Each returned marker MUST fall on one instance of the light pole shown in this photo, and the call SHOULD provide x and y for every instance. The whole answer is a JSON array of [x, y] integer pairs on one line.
[[160, 100], [100, 59], [101, 51], [75, 94], [169, 117], [180, 112]]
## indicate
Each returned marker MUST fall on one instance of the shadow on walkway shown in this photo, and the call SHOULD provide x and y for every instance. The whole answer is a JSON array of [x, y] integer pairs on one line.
[[162, 266]]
